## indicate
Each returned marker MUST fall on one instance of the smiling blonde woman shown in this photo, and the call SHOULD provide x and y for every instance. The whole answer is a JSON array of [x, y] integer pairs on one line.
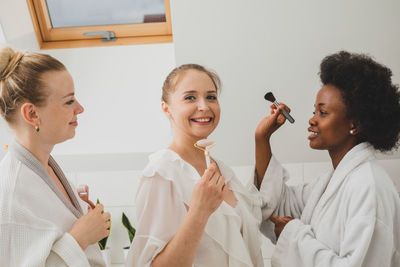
[[188, 214]]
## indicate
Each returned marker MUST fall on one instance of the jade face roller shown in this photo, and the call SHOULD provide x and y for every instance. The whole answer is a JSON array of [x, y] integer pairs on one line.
[[205, 145], [270, 97]]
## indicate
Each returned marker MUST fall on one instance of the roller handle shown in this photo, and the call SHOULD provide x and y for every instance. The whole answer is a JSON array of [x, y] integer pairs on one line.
[[207, 160]]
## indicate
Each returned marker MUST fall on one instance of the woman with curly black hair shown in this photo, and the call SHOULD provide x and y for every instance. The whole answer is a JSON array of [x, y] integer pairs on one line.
[[349, 216]]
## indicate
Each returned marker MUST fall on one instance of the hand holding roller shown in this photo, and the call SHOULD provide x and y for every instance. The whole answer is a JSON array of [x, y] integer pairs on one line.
[[202, 145]]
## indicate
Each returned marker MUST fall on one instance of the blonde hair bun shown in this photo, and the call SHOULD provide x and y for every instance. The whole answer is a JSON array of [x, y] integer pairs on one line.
[[21, 79], [6, 54]]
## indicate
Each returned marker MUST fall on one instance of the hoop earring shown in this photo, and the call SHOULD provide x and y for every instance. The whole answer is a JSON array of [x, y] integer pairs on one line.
[[352, 131], [37, 129]]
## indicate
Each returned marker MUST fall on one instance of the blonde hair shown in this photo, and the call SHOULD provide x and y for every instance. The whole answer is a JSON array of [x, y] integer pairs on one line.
[[172, 79], [20, 79]]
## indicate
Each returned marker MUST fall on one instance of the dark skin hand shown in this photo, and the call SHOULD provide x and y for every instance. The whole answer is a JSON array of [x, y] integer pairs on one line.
[[280, 223], [263, 133]]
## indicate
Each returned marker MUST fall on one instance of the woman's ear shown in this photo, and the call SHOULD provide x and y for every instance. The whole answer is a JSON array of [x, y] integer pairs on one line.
[[353, 129], [165, 109], [30, 114]]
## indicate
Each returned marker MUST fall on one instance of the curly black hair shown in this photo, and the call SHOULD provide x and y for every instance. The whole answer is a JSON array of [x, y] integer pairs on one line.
[[372, 101]]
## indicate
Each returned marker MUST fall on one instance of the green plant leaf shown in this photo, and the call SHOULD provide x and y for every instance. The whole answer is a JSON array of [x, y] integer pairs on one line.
[[127, 224], [102, 243]]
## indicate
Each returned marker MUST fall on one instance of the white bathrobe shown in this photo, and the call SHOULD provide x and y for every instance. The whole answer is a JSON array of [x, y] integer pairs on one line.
[[348, 217], [35, 217], [231, 236]]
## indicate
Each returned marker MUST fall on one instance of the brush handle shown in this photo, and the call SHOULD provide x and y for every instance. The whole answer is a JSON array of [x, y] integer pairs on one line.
[[285, 113]]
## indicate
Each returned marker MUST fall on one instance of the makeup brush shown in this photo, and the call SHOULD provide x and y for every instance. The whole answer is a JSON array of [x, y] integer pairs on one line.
[[270, 97], [202, 145]]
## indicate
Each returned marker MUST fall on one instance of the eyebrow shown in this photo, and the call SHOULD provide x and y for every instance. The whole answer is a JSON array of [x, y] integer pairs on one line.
[[321, 104], [193, 91], [70, 94]]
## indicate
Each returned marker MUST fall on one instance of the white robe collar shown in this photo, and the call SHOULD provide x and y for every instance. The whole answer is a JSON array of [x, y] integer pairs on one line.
[[28, 159], [330, 182]]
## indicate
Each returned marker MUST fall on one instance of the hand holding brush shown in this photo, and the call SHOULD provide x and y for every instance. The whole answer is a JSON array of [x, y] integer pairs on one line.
[[270, 97]]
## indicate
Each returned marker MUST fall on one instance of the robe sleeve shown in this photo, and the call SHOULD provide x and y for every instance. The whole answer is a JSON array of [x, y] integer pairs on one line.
[[359, 245], [280, 199], [159, 214], [24, 245]]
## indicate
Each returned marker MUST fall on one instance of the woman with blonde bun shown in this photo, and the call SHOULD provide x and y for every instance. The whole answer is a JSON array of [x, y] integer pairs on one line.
[[43, 222]]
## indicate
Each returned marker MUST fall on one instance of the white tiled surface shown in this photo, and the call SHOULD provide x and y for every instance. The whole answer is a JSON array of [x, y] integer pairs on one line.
[[314, 169], [392, 166], [295, 171], [112, 188], [117, 190]]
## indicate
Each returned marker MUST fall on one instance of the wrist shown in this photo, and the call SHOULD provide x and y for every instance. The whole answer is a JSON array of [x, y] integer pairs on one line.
[[262, 139], [78, 240], [198, 216], [262, 144]]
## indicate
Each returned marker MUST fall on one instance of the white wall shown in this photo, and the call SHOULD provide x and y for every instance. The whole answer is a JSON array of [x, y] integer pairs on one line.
[[262, 45], [274, 45], [120, 88], [2, 38]]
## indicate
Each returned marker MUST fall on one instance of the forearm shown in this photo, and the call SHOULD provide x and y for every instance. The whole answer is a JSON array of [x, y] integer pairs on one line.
[[263, 157], [180, 251]]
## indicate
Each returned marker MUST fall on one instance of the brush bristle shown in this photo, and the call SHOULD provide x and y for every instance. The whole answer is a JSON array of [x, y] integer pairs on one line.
[[270, 97]]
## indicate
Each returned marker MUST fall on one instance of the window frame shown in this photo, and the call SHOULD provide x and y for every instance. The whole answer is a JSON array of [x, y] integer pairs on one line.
[[69, 37]]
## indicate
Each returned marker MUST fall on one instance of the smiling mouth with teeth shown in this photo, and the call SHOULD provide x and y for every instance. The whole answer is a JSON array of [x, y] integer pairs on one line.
[[201, 120], [312, 134]]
